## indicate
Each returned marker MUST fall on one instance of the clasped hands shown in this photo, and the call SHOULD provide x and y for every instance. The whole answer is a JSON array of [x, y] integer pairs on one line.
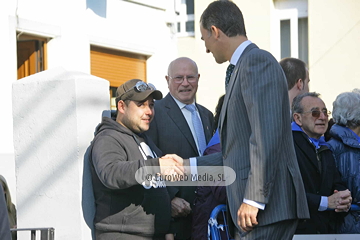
[[172, 165], [340, 201]]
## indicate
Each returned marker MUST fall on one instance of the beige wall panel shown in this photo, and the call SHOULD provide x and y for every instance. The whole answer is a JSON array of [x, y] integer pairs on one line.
[[334, 47]]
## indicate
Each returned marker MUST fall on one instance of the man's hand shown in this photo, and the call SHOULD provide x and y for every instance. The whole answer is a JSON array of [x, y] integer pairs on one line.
[[180, 207], [340, 201], [247, 217], [171, 165], [169, 236]]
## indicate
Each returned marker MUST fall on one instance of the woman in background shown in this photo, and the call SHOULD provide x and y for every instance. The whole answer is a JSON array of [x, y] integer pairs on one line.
[[345, 145], [10, 207]]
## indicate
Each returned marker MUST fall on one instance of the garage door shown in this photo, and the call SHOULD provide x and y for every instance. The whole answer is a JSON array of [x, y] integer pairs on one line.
[[117, 66]]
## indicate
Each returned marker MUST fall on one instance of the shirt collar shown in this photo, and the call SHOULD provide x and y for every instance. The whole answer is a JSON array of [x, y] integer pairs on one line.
[[240, 49], [180, 104]]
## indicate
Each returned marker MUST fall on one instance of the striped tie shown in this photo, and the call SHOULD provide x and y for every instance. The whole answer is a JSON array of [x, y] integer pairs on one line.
[[198, 127], [229, 71]]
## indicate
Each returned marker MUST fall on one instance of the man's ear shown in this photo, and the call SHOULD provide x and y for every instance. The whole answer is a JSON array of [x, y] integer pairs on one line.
[[121, 106], [167, 79], [215, 31], [300, 84], [297, 119]]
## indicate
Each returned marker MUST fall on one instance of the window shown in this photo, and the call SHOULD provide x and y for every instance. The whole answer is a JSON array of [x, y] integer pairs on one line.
[[185, 17], [117, 67], [31, 55], [291, 29]]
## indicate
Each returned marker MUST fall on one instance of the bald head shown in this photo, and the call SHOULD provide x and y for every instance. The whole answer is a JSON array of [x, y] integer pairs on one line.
[[183, 79], [181, 61]]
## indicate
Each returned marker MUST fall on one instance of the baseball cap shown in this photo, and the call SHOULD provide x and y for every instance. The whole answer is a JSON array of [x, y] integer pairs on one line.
[[137, 90]]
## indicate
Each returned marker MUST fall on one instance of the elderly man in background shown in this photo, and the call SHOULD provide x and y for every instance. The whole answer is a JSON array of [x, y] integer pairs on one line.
[[183, 127], [326, 195]]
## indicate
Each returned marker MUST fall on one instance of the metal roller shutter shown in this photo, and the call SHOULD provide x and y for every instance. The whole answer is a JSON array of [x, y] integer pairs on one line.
[[115, 66]]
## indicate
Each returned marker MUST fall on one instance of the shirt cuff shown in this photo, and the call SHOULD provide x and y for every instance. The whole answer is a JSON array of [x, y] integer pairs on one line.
[[323, 203], [254, 204], [193, 168]]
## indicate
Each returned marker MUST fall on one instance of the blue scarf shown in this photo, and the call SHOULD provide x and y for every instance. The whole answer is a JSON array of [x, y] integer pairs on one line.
[[215, 139], [317, 142]]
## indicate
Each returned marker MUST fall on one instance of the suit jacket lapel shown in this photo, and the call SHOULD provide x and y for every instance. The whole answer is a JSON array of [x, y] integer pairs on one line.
[[174, 113], [231, 84]]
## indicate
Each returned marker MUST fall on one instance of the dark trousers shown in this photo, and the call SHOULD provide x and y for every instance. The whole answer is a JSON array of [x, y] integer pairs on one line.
[[283, 230]]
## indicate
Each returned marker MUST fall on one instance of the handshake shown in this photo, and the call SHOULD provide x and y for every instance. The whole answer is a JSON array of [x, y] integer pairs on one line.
[[173, 165]]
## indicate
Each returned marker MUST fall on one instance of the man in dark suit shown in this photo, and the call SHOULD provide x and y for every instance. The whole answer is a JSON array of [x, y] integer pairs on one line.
[[324, 190], [267, 198], [172, 131]]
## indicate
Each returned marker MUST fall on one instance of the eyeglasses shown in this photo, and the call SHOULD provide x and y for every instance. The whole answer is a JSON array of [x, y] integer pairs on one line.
[[180, 79], [316, 113], [140, 87]]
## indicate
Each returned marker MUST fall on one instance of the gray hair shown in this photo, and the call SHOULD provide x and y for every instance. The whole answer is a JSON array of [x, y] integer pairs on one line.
[[296, 106], [346, 109]]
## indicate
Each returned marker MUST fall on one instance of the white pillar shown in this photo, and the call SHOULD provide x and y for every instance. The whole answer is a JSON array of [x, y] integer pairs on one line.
[[55, 113]]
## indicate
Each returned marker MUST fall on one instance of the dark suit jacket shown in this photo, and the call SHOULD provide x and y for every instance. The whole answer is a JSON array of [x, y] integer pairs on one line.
[[255, 135], [171, 134], [317, 182]]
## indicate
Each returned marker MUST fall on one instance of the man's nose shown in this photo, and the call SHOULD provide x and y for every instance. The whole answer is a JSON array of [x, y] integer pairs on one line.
[[323, 115], [149, 110], [185, 81]]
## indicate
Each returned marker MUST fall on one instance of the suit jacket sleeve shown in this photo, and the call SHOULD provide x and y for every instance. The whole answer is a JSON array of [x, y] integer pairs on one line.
[[262, 83]]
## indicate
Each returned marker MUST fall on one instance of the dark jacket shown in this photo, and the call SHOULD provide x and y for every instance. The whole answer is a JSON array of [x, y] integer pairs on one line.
[[319, 180], [207, 198], [346, 150], [171, 134], [122, 204]]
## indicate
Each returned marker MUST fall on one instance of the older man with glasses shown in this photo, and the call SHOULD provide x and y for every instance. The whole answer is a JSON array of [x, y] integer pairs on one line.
[[183, 127], [326, 195]]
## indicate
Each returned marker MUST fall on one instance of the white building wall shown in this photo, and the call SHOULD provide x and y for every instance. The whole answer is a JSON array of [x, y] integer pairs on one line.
[[334, 49], [54, 124], [135, 26]]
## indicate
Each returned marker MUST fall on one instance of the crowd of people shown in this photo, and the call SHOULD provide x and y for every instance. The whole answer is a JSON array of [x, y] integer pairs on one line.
[[268, 128]]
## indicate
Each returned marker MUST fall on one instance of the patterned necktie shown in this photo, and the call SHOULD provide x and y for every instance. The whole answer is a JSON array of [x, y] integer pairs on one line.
[[229, 71], [198, 127]]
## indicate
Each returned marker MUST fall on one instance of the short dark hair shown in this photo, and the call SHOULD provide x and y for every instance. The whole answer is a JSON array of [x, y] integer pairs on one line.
[[294, 69], [218, 110], [296, 106], [224, 15]]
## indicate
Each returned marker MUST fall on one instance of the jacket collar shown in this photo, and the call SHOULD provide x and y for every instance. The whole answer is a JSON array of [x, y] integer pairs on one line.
[[346, 135], [316, 142]]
